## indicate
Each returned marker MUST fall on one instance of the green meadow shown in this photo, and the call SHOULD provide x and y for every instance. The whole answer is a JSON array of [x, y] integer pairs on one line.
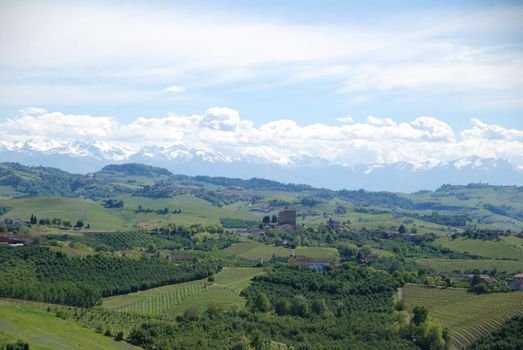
[[44, 331]]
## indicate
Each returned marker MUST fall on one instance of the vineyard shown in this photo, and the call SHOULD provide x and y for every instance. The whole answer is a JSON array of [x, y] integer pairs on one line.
[[174, 299], [450, 265], [468, 316]]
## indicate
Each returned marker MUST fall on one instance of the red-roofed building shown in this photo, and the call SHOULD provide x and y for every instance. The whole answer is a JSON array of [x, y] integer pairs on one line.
[[517, 282], [310, 263]]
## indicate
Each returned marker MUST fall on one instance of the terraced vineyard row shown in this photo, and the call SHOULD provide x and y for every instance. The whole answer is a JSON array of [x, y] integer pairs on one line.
[[173, 299], [155, 301], [468, 316]]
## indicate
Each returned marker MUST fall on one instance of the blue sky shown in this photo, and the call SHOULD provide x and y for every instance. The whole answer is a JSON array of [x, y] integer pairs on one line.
[[312, 62]]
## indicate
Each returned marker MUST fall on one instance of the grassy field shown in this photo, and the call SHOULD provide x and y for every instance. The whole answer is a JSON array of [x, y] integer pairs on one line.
[[468, 316], [502, 248], [255, 250], [175, 299], [194, 210], [44, 331], [450, 265]]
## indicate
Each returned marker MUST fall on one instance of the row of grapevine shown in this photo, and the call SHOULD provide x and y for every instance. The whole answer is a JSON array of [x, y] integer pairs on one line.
[[468, 316]]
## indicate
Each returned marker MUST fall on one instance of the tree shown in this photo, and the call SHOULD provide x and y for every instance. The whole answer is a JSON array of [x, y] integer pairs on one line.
[[283, 307], [420, 314], [299, 306], [274, 219], [262, 303], [266, 219], [319, 307], [402, 229], [214, 311], [79, 224]]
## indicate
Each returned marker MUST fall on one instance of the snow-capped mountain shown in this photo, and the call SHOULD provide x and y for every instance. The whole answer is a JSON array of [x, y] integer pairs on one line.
[[83, 157]]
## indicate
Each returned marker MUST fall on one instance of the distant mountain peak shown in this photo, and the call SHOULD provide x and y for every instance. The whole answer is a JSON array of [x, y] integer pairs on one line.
[[83, 157]]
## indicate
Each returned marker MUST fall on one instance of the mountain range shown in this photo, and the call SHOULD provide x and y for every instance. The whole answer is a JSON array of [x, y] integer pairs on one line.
[[84, 157]]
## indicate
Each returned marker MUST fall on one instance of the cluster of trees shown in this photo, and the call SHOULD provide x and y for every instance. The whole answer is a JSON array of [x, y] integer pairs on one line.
[[66, 293], [484, 234], [109, 275], [268, 219], [347, 289], [444, 219], [57, 222], [254, 183], [425, 332], [160, 211], [160, 189], [38, 181], [19, 345], [188, 238], [322, 317], [505, 210]]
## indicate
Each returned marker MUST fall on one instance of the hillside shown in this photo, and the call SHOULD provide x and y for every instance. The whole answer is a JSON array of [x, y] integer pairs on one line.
[[137, 185]]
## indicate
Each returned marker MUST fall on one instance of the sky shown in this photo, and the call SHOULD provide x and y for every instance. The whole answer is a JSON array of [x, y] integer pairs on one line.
[[348, 82]]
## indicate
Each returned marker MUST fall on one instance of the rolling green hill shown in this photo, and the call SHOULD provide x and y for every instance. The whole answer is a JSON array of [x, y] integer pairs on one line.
[[482, 205]]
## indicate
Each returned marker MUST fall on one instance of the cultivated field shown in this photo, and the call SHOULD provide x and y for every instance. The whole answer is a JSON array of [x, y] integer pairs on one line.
[[450, 265], [502, 248], [175, 299], [468, 316], [44, 331], [256, 250]]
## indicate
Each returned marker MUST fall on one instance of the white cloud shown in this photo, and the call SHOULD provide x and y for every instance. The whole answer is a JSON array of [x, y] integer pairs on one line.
[[175, 89], [380, 122], [348, 119], [220, 132]]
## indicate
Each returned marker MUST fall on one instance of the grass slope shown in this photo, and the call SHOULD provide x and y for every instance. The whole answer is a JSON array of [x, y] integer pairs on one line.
[[175, 299], [450, 265], [44, 331], [505, 247], [194, 210], [468, 316]]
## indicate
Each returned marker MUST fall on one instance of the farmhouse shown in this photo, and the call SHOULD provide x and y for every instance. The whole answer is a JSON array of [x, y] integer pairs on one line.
[[281, 242], [14, 240], [12, 222], [481, 278], [310, 263], [370, 257], [517, 282]]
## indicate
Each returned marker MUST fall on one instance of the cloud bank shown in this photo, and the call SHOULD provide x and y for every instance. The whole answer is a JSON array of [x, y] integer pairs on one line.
[[220, 133]]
